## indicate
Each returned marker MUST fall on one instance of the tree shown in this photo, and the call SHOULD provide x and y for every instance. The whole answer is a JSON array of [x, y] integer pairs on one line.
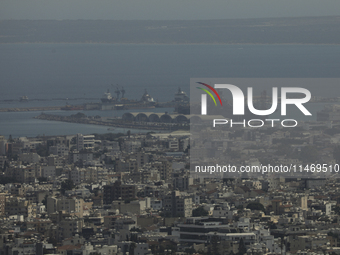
[[79, 115], [214, 244], [240, 207], [337, 210], [44, 201], [256, 206], [42, 179], [189, 250], [199, 212], [134, 229], [42, 150], [66, 185], [242, 248]]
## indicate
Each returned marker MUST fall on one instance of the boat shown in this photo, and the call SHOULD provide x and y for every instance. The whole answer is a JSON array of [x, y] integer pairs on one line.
[[107, 97], [181, 96], [120, 103], [24, 99]]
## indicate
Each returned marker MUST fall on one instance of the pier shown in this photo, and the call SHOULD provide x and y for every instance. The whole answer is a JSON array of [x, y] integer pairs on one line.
[[114, 122]]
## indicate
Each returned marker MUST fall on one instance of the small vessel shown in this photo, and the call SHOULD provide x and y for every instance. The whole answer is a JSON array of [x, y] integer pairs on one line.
[[146, 98], [181, 96], [24, 99], [107, 97]]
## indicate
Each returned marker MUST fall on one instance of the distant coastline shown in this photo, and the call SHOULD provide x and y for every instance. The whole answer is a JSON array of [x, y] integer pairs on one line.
[[262, 31], [89, 43]]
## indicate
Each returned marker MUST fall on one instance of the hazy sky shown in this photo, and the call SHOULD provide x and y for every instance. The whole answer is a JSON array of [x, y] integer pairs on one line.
[[164, 9]]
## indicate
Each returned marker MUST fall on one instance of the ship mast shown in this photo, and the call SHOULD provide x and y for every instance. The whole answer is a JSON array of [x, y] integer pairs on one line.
[[123, 92], [117, 92]]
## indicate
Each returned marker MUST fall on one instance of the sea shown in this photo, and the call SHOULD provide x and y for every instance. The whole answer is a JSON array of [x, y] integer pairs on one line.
[[60, 74]]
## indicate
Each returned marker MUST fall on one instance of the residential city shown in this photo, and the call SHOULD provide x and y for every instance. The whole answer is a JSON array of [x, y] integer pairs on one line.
[[133, 193]]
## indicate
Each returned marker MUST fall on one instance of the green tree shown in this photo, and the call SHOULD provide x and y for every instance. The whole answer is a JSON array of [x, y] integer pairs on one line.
[[256, 206], [337, 210], [67, 185], [79, 115], [214, 245], [272, 225], [239, 207], [199, 212], [42, 150], [44, 201], [42, 179], [189, 251], [242, 248]]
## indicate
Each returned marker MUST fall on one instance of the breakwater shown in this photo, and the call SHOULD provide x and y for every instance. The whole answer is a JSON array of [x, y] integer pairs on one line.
[[30, 109], [113, 122]]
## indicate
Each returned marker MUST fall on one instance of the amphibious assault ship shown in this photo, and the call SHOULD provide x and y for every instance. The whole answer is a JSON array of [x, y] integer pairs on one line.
[[121, 102]]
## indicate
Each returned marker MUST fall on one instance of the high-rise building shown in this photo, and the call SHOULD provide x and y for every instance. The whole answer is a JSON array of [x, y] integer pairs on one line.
[[3, 142], [164, 168], [71, 206], [177, 205], [2, 203], [118, 191]]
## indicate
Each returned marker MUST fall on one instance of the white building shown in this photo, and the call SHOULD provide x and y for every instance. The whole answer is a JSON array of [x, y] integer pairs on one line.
[[59, 150], [84, 142]]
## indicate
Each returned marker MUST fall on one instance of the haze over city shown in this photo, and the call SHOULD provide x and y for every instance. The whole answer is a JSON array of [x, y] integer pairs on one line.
[[164, 10], [108, 142]]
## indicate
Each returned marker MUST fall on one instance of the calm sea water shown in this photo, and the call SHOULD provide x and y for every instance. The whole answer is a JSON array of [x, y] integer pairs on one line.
[[20, 124], [83, 72]]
